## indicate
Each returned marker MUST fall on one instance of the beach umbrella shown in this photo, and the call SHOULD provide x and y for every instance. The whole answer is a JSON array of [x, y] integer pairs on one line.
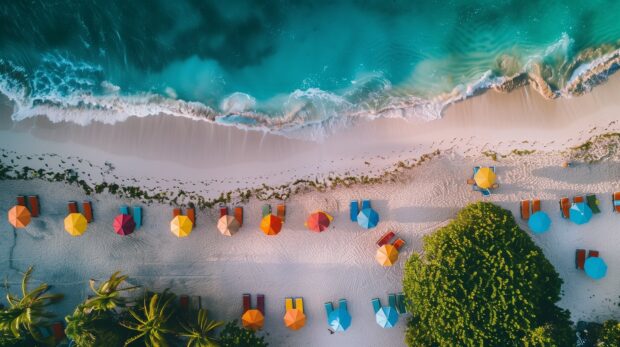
[[595, 267], [253, 319], [318, 221], [181, 226], [124, 224], [339, 320], [294, 319], [386, 317], [271, 225], [485, 178], [580, 213], [539, 222], [19, 216], [368, 218], [228, 225], [387, 255], [75, 224]]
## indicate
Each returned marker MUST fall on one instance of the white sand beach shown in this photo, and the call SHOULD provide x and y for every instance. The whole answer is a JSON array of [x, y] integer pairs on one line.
[[167, 153]]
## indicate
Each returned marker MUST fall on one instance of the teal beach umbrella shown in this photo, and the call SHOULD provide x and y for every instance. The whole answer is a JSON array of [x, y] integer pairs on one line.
[[580, 213], [368, 218], [539, 222], [595, 267], [339, 320], [386, 317]]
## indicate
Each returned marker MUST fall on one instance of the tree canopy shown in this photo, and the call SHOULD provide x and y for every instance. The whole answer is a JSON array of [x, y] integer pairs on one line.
[[482, 281]]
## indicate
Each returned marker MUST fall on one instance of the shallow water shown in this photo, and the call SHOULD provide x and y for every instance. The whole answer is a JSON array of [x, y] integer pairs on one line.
[[289, 64]]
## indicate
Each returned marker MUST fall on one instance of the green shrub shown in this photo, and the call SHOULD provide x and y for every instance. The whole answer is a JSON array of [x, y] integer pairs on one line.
[[235, 336]]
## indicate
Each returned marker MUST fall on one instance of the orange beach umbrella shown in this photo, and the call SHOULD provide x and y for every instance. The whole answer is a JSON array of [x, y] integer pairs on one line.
[[485, 178], [318, 221], [294, 319], [75, 224], [271, 225], [228, 225], [253, 319], [181, 226], [387, 255], [19, 216]]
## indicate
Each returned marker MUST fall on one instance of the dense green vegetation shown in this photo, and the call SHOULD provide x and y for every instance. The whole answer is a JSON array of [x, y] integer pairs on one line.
[[482, 281], [112, 318]]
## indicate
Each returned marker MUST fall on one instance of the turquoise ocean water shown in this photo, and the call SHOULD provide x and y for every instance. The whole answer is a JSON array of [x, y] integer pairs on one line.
[[289, 65]]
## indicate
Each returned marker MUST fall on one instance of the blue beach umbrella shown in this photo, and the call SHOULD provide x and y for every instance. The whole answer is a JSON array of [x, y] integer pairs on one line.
[[368, 218], [386, 317], [539, 222], [595, 267], [339, 320], [580, 213]]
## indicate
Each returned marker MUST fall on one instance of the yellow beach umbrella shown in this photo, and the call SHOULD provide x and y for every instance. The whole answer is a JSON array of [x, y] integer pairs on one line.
[[485, 178], [19, 216], [75, 224], [228, 225], [387, 255], [181, 226], [253, 319]]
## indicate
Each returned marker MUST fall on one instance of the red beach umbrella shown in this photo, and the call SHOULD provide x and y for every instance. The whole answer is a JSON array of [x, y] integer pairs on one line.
[[124, 224], [318, 221]]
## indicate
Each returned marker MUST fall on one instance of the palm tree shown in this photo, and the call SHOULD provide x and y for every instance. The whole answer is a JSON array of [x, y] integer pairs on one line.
[[199, 334], [26, 314], [151, 322], [107, 295]]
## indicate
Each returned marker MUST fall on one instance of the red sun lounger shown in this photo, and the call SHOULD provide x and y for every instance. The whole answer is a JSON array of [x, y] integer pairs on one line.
[[176, 212], [21, 200], [191, 214], [580, 258], [184, 302], [535, 205], [72, 207], [88, 211], [565, 207], [58, 331], [33, 201], [281, 212], [385, 238], [399, 243], [260, 303], [239, 215], [223, 211], [525, 209], [578, 199], [592, 254], [246, 302]]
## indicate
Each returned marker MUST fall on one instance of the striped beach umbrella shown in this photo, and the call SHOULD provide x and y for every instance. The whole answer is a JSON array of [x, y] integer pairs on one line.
[[318, 221], [124, 224], [75, 224], [19, 216], [580, 213], [595, 267], [539, 222], [228, 225], [271, 225], [386, 317], [181, 226], [485, 178], [368, 218], [387, 255]]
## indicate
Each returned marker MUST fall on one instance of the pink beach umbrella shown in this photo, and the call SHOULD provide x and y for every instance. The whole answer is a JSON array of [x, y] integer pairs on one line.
[[124, 224]]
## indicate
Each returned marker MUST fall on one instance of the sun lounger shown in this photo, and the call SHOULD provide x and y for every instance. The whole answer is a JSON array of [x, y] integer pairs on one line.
[[223, 211], [474, 186], [58, 331], [246, 302], [401, 307], [72, 207], [535, 205], [123, 209], [354, 210], [593, 203], [471, 181], [266, 210], [392, 300], [485, 192], [281, 212], [565, 207], [592, 254], [260, 303], [299, 304], [329, 308], [385, 238], [288, 304], [525, 209], [88, 211], [615, 200], [176, 212], [21, 200], [342, 304], [399, 243], [184, 302], [239, 215], [365, 204], [578, 199], [580, 258], [33, 201], [376, 304], [137, 216], [191, 214]]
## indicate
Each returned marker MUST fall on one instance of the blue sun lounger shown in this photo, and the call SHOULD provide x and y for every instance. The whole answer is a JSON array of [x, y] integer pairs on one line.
[[354, 210], [401, 307], [329, 308], [392, 300], [137, 216], [124, 209], [342, 304], [365, 204], [376, 305], [266, 210]]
